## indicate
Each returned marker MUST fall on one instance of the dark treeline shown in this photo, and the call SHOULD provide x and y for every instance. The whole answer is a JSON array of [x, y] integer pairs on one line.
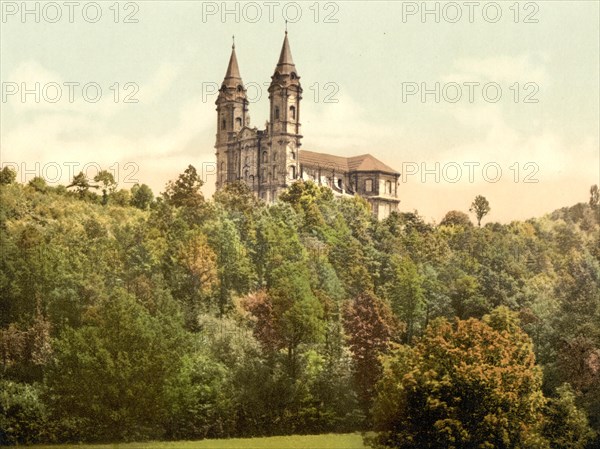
[[128, 317]]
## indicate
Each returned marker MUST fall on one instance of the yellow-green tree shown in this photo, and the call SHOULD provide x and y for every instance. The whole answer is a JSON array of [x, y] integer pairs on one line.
[[467, 384]]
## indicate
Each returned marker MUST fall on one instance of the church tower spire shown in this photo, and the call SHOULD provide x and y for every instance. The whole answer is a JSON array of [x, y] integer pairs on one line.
[[285, 94], [286, 63], [232, 117], [233, 71]]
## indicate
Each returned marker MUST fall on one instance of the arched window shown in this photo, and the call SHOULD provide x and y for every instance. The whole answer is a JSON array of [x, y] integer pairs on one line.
[[276, 112], [238, 122], [293, 154], [293, 112], [265, 157]]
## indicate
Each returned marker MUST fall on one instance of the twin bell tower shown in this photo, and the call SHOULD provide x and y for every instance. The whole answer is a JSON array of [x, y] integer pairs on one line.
[[266, 160]]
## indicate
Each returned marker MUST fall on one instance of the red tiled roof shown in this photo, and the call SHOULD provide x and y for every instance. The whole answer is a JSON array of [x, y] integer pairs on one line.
[[364, 162]]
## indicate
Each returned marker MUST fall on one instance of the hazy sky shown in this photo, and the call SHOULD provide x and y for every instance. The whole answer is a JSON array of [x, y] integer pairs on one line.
[[372, 59]]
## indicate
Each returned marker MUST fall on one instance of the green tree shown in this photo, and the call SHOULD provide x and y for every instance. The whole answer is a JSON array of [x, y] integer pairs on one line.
[[480, 207], [298, 315], [23, 416], [197, 263], [109, 377], [405, 294], [469, 384], [141, 196], [39, 184], [456, 218], [304, 198], [566, 426], [107, 184], [234, 271], [238, 197], [371, 329], [82, 184], [595, 200], [121, 197], [185, 191], [7, 175]]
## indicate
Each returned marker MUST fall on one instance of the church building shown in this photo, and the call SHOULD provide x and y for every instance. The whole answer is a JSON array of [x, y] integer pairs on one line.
[[271, 159]]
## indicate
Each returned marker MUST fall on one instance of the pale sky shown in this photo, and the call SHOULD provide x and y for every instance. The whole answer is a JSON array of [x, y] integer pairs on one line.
[[373, 58]]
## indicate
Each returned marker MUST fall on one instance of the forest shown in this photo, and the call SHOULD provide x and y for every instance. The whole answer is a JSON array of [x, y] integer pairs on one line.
[[130, 316]]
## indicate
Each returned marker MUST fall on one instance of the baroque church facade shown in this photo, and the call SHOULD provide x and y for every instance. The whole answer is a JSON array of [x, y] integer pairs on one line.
[[271, 159]]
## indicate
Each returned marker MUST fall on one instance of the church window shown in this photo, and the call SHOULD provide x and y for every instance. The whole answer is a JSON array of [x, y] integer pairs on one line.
[[368, 185], [293, 154], [276, 112], [238, 122], [293, 112]]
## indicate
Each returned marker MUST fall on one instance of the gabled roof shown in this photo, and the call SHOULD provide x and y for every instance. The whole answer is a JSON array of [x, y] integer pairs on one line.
[[365, 162], [323, 160]]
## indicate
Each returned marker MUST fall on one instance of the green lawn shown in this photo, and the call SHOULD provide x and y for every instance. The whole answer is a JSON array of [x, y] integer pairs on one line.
[[328, 441]]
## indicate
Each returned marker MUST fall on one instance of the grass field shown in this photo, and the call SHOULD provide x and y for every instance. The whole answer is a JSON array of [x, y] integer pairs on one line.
[[328, 441]]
